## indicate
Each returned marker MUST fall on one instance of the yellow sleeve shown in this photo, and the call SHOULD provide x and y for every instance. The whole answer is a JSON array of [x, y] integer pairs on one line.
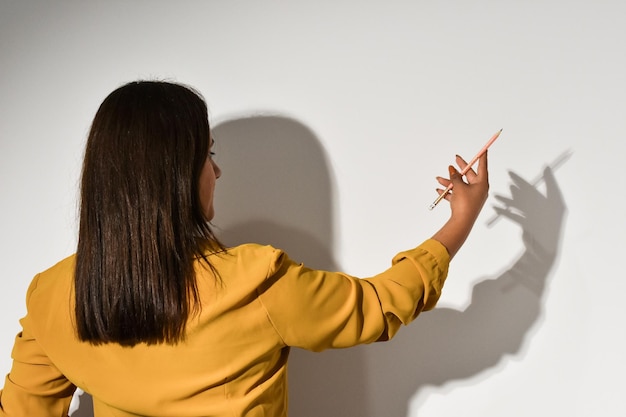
[[318, 310], [34, 387]]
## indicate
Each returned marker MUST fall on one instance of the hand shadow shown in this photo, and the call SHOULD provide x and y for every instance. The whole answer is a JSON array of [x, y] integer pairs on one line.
[[447, 345]]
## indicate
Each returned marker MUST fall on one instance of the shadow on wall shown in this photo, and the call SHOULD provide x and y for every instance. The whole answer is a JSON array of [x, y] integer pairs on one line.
[[276, 188]]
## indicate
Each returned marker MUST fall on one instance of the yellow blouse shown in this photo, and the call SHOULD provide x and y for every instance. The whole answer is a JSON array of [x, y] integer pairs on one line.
[[234, 359]]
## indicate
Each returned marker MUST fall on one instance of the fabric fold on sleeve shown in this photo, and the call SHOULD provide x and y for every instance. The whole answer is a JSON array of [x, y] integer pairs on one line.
[[413, 284], [318, 310]]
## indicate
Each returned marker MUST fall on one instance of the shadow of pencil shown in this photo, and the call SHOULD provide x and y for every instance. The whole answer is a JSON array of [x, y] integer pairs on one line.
[[554, 165]]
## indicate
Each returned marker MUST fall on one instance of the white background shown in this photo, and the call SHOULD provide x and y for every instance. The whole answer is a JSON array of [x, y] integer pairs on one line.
[[387, 92]]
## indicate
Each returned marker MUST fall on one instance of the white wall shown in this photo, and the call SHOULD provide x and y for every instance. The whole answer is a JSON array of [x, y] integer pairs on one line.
[[380, 96]]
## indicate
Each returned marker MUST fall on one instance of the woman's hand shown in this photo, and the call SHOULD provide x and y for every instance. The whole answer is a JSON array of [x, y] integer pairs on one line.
[[467, 198], [466, 201]]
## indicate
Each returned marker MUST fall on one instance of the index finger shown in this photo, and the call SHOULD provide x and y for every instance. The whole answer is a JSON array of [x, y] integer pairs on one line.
[[482, 165]]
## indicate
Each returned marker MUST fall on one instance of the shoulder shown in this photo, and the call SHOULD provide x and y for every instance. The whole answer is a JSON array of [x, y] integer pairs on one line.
[[59, 275], [252, 249], [64, 265], [49, 300], [255, 254], [250, 259]]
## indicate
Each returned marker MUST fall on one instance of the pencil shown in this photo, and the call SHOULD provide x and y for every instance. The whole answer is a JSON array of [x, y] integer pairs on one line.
[[467, 168]]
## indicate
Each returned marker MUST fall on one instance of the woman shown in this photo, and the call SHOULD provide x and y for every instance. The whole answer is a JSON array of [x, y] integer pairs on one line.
[[154, 316]]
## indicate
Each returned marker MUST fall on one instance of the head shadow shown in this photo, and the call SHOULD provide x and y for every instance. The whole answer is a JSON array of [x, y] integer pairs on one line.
[[277, 188]]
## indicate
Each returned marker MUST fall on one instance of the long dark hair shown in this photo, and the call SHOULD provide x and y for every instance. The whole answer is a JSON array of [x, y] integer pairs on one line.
[[142, 225]]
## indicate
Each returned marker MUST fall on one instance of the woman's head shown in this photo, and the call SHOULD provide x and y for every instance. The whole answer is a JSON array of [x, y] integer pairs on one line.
[[148, 145], [146, 199]]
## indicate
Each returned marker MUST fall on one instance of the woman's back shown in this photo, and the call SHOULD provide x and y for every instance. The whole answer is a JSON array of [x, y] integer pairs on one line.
[[228, 350]]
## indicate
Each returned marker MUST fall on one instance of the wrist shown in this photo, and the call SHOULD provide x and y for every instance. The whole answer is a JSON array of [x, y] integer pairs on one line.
[[454, 233]]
